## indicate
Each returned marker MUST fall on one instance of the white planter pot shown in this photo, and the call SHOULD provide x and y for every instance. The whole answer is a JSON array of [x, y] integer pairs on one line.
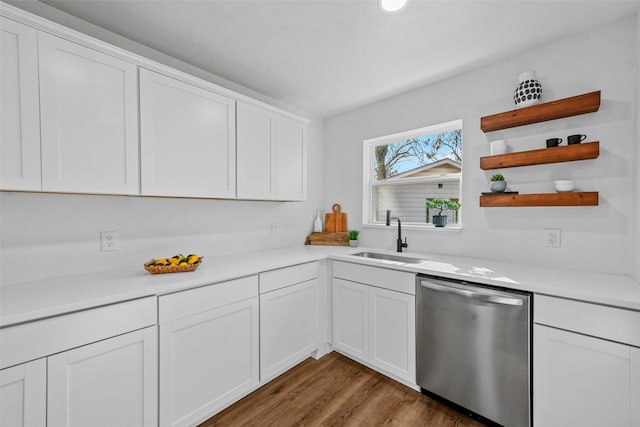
[[498, 186]]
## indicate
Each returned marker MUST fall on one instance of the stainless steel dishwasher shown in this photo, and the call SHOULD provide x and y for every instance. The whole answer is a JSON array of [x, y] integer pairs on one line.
[[474, 348]]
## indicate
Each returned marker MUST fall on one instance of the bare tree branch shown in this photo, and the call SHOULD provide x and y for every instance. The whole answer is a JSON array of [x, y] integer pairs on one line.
[[423, 150]]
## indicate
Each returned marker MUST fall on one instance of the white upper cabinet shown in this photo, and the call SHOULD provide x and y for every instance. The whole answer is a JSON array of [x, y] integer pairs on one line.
[[271, 155], [19, 108], [89, 119], [77, 118], [256, 153], [187, 139], [291, 160]]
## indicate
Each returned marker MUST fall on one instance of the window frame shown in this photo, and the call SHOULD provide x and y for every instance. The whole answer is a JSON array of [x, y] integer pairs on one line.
[[368, 182]]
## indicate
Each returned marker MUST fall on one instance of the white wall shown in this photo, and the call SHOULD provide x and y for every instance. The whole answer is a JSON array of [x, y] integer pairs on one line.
[[636, 234], [44, 235], [593, 238]]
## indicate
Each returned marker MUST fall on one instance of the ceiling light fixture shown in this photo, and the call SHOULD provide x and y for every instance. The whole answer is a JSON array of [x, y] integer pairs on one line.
[[391, 5]]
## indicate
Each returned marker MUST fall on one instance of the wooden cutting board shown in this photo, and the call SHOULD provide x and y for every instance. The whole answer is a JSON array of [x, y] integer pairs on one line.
[[335, 221], [328, 239]]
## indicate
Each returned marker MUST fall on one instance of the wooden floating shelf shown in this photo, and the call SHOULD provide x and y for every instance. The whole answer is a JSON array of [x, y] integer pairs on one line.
[[567, 107], [547, 199], [566, 153]]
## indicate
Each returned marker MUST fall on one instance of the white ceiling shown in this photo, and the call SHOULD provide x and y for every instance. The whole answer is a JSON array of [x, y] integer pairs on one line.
[[328, 56]]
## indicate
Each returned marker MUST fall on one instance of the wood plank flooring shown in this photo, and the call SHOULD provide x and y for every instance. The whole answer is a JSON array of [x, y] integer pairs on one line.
[[336, 391]]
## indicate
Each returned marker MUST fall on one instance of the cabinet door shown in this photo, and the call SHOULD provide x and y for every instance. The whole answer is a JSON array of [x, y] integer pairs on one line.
[[187, 139], [291, 163], [23, 395], [351, 318], [288, 327], [19, 108], [108, 383], [207, 360], [89, 119], [256, 153], [584, 381], [272, 155], [392, 345]]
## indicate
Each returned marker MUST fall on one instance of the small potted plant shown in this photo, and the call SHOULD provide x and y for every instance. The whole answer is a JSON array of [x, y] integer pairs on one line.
[[498, 184], [353, 238], [440, 220]]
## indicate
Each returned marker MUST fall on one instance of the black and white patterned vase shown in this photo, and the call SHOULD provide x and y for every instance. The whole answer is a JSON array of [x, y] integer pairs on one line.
[[529, 90]]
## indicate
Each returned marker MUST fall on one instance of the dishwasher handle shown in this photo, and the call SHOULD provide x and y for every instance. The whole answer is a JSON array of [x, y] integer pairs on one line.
[[476, 293]]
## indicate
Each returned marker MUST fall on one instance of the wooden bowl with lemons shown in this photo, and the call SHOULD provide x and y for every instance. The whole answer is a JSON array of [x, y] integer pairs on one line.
[[176, 264]]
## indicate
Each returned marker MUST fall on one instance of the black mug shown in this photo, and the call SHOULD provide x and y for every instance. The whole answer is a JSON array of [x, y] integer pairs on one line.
[[576, 139], [553, 142]]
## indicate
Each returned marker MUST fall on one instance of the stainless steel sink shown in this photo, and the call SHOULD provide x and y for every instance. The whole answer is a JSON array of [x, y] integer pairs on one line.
[[389, 257]]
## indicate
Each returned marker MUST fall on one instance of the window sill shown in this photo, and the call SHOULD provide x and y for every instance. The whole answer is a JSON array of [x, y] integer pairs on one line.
[[413, 227]]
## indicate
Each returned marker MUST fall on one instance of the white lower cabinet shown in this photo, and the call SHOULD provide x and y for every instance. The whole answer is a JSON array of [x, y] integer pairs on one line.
[[351, 318], [375, 324], [95, 367], [108, 383], [586, 364], [208, 349], [392, 332], [584, 381], [288, 318], [23, 395]]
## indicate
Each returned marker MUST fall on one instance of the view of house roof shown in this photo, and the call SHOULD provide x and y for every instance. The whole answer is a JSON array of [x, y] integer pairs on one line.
[[441, 167]]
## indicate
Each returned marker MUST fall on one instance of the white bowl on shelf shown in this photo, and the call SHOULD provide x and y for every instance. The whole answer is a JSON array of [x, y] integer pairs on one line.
[[564, 186]]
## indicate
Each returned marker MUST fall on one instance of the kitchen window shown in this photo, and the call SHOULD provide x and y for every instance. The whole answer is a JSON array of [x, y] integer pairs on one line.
[[403, 171]]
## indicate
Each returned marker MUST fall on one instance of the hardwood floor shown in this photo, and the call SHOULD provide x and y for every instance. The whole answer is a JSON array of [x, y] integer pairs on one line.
[[336, 391]]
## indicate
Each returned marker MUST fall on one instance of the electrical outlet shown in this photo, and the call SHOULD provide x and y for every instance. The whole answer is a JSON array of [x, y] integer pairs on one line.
[[552, 237], [109, 241]]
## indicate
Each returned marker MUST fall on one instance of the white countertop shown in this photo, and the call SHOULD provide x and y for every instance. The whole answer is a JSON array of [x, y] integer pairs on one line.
[[29, 301], [26, 301], [602, 288]]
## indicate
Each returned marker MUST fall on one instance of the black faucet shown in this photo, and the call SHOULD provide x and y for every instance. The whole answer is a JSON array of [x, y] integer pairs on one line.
[[399, 243]]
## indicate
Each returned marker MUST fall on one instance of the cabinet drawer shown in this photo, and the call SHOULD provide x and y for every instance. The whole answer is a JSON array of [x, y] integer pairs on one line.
[[41, 338], [192, 301], [381, 277], [283, 277], [615, 324]]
